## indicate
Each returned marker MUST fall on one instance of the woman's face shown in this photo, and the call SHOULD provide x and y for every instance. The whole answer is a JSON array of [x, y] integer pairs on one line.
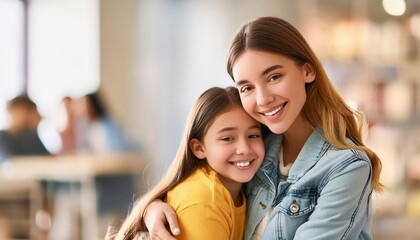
[[272, 87]]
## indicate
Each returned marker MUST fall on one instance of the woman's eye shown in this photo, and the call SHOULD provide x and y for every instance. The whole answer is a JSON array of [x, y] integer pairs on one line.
[[274, 77], [246, 89]]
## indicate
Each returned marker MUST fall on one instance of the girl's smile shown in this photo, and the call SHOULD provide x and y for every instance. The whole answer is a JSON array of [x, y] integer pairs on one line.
[[242, 164]]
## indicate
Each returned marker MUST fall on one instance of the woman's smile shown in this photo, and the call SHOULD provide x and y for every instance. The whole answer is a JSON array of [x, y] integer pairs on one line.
[[277, 109]]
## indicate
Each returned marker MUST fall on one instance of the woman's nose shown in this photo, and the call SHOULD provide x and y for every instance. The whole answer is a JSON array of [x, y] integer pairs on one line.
[[264, 97]]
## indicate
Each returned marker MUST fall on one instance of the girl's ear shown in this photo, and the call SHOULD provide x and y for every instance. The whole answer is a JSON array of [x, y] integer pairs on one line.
[[197, 148], [310, 73]]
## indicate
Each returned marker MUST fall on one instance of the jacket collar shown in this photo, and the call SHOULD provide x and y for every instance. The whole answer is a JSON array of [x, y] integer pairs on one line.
[[313, 149]]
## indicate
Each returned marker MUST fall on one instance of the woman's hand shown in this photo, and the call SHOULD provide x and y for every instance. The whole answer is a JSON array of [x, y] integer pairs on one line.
[[157, 217]]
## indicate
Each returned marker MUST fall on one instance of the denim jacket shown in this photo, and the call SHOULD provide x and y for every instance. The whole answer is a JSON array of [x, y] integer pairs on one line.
[[327, 194]]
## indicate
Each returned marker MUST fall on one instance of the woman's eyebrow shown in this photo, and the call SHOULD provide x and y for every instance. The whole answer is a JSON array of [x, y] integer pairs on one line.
[[241, 82], [267, 70]]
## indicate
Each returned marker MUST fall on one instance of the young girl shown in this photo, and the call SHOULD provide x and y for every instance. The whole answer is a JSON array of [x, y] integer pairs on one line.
[[221, 149], [317, 177]]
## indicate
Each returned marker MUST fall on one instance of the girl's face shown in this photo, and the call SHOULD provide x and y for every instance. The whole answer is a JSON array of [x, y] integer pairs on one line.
[[232, 146], [272, 87]]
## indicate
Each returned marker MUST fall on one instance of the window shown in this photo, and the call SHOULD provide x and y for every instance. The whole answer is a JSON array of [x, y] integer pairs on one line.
[[63, 50], [11, 53]]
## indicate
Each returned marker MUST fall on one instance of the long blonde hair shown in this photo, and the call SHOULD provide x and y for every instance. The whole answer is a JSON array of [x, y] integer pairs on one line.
[[324, 107], [207, 107]]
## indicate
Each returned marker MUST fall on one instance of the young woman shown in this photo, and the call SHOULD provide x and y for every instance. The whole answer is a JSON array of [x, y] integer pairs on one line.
[[222, 148], [317, 177]]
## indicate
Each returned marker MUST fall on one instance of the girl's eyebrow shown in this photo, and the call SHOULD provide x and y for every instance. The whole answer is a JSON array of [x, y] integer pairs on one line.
[[267, 70], [256, 126], [226, 129]]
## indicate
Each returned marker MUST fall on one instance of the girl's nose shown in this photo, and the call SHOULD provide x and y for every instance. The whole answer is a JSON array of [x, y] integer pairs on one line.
[[243, 147]]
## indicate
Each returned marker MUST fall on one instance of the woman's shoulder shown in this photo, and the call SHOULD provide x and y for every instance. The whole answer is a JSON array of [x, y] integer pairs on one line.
[[349, 153], [338, 160], [318, 146], [335, 162], [320, 155]]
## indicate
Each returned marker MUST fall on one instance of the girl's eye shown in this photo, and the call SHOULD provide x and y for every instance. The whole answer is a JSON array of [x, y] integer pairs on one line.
[[253, 136], [227, 139]]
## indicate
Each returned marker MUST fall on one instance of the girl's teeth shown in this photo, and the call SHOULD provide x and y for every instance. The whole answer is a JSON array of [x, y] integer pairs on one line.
[[242, 164]]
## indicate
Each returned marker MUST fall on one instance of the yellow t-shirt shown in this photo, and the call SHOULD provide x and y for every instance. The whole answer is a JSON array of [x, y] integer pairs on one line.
[[205, 208]]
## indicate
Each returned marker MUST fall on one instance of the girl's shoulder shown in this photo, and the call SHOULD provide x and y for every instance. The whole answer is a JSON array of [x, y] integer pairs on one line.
[[202, 187]]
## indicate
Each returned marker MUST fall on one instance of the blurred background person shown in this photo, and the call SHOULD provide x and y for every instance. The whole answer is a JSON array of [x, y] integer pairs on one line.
[[20, 137], [65, 126], [86, 127], [95, 130]]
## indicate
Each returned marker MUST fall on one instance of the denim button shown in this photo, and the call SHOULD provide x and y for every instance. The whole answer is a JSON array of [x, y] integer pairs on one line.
[[294, 207]]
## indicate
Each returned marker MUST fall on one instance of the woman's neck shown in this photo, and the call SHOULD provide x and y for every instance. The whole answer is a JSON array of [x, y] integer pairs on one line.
[[294, 139]]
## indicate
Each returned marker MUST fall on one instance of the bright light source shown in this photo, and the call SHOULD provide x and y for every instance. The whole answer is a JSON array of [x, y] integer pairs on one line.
[[394, 7]]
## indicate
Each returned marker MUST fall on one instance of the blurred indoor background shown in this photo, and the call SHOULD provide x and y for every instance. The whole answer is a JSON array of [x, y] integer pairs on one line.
[[148, 60]]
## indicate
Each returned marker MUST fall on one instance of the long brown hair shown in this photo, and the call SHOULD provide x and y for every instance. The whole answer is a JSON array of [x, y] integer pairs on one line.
[[207, 107], [324, 107]]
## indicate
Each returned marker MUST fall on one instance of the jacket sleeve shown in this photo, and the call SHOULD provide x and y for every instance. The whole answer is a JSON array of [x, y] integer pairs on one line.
[[343, 208], [205, 221]]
